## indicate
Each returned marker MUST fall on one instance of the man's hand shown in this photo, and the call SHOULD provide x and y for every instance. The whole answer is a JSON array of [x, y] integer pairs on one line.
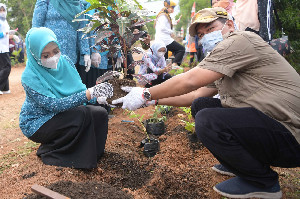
[[133, 100]]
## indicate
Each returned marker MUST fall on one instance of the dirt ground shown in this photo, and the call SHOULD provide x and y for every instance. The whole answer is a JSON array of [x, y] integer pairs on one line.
[[179, 170]]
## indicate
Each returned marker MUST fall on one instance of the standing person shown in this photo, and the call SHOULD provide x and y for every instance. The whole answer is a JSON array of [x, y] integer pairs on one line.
[[53, 114], [192, 50], [256, 122], [58, 15], [5, 64], [155, 69], [163, 31]]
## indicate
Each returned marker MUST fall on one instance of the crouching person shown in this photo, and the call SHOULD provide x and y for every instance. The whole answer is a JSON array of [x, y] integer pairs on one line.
[[53, 114], [256, 122]]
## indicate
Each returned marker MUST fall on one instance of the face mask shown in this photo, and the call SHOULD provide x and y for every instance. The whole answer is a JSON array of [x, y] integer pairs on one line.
[[160, 54], [51, 62], [210, 40], [3, 15]]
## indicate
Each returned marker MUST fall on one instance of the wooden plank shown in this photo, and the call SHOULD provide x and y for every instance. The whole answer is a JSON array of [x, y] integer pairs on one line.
[[40, 190]]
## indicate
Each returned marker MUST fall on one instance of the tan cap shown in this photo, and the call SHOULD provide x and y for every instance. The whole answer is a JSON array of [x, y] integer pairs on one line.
[[206, 15]]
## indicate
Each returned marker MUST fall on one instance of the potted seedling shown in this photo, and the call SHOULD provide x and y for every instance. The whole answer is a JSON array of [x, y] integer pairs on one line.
[[156, 125], [150, 144], [189, 125], [164, 109]]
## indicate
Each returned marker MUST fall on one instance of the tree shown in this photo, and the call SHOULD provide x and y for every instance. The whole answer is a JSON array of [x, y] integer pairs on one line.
[[289, 16], [19, 14], [185, 11]]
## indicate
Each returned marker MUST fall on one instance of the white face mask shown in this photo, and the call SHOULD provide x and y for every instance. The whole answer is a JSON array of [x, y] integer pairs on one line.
[[160, 54], [210, 40], [3, 15], [51, 62]]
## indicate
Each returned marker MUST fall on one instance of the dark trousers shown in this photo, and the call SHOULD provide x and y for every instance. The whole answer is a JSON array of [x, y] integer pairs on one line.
[[247, 142], [74, 138], [5, 68], [177, 50]]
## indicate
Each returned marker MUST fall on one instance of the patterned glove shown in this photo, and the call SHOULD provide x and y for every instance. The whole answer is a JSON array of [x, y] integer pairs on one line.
[[87, 62], [96, 59], [102, 90], [102, 100], [133, 100]]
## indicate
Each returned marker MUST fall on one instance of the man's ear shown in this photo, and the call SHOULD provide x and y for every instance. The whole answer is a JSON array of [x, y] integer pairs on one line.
[[230, 24]]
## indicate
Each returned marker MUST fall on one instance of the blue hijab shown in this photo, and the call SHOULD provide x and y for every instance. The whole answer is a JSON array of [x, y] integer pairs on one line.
[[56, 83], [68, 9]]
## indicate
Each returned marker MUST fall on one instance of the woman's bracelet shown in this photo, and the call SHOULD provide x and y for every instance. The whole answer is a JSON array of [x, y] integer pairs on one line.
[[156, 102]]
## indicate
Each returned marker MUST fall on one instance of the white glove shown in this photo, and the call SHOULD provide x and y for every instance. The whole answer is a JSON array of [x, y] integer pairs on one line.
[[16, 38], [87, 62], [133, 100], [102, 90], [96, 59], [119, 62], [102, 100]]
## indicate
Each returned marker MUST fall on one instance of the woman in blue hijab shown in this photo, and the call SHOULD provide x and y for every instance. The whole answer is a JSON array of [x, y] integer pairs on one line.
[[53, 114], [155, 69]]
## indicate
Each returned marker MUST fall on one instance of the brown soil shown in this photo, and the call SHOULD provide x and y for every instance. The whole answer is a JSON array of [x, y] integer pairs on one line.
[[117, 84], [179, 170]]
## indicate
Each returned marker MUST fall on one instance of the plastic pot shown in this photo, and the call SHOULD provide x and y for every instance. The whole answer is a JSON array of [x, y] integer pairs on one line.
[[151, 146], [155, 128]]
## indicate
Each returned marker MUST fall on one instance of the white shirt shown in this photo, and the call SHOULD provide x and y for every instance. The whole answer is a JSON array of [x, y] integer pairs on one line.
[[4, 41], [163, 30]]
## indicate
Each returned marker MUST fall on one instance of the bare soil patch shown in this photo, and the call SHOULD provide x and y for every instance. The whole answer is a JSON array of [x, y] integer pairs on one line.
[[179, 170]]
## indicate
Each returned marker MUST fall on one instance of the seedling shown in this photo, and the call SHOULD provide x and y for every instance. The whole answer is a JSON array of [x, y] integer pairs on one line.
[[155, 117], [189, 123]]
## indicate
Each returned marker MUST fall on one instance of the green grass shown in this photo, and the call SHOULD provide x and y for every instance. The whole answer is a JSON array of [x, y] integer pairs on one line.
[[11, 158]]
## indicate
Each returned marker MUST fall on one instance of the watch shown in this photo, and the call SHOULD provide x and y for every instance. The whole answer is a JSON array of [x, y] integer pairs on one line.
[[147, 94]]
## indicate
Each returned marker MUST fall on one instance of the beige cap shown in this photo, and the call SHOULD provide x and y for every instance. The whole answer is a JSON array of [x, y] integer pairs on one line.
[[206, 15]]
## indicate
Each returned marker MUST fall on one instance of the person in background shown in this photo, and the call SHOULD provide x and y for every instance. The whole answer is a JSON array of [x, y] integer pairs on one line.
[[154, 68], [199, 49], [227, 4], [192, 50], [140, 34], [53, 114], [163, 31], [58, 16], [5, 64], [256, 122]]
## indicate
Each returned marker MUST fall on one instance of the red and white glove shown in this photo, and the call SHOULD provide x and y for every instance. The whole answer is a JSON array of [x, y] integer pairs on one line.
[[133, 100]]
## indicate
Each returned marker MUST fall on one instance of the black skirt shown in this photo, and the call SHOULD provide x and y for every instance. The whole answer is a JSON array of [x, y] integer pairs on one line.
[[75, 138]]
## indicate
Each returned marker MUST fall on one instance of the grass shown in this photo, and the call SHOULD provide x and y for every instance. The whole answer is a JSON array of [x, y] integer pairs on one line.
[[11, 158]]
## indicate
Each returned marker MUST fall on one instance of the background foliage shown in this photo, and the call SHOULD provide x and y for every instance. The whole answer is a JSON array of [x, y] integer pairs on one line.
[[19, 14]]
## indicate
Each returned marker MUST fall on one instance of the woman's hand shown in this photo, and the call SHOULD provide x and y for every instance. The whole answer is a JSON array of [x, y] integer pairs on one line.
[[101, 90]]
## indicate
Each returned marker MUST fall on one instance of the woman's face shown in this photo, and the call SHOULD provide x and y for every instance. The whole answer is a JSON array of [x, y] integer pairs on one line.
[[170, 9], [162, 50], [50, 50], [2, 9]]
